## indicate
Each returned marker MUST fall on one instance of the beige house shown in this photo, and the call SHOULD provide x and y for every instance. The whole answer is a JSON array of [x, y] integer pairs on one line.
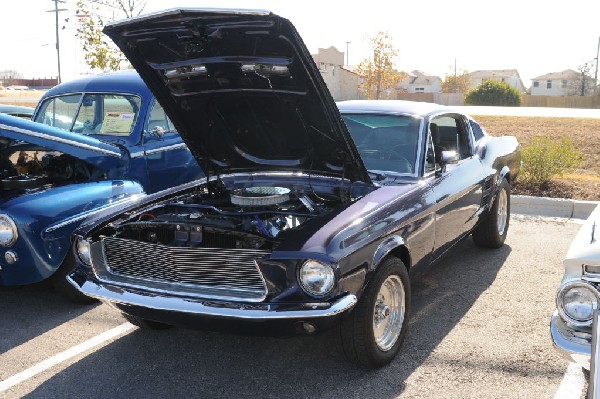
[[421, 82], [509, 76], [565, 83], [343, 83]]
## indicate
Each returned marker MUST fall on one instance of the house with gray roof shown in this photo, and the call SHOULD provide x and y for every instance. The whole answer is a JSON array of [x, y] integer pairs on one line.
[[509, 76], [421, 82], [566, 83]]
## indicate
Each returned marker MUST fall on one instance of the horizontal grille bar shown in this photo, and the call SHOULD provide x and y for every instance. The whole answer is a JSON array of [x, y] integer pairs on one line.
[[220, 268]]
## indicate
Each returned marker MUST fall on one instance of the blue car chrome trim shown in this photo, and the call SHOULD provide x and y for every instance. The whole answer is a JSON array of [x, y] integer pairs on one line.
[[83, 215], [207, 307], [59, 140], [158, 150]]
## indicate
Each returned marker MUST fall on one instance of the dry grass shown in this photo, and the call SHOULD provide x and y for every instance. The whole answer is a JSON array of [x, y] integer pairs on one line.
[[583, 183], [25, 98]]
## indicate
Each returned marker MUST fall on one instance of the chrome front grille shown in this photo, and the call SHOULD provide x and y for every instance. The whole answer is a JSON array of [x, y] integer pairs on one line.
[[204, 272]]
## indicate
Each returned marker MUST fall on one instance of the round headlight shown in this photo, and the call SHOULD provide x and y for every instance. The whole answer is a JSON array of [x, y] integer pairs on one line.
[[576, 303], [316, 278], [83, 251], [8, 231]]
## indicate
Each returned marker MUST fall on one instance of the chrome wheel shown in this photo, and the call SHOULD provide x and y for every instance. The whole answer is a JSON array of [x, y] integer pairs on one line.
[[502, 211], [389, 312]]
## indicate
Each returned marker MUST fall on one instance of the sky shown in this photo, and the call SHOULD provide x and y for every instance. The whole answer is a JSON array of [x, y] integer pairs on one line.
[[535, 37]]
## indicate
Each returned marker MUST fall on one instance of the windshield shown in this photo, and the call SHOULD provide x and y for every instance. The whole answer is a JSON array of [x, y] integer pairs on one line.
[[386, 143], [91, 113]]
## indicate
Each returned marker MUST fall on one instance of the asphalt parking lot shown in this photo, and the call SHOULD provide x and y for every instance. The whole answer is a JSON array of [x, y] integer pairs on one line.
[[479, 329]]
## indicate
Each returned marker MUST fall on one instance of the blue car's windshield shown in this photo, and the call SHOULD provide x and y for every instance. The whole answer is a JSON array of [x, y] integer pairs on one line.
[[91, 113], [386, 143]]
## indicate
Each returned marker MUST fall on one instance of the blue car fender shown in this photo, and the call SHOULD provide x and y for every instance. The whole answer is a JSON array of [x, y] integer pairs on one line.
[[46, 219]]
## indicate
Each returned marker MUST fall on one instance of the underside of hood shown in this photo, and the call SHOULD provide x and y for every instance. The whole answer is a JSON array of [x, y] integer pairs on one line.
[[242, 90]]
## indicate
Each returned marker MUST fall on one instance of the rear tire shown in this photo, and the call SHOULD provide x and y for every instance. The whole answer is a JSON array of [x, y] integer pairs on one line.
[[373, 333], [491, 232], [145, 323], [64, 288]]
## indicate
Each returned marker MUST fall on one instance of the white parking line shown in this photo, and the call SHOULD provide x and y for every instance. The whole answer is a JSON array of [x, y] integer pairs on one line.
[[572, 383], [64, 356]]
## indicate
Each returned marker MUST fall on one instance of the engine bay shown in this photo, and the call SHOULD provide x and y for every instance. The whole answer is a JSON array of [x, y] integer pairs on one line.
[[247, 218], [24, 166]]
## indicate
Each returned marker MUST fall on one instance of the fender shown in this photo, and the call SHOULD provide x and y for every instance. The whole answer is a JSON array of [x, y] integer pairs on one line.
[[504, 173], [46, 219], [385, 247]]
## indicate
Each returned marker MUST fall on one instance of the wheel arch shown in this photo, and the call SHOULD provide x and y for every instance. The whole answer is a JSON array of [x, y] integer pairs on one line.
[[504, 174], [392, 246]]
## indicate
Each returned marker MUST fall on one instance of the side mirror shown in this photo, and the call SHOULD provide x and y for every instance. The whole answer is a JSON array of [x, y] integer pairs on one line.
[[158, 132], [481, 150], [448, 157]]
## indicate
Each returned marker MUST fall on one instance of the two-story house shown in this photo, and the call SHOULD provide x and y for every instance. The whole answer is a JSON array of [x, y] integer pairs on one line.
[[343, 83], [565, 83], [509, 76]]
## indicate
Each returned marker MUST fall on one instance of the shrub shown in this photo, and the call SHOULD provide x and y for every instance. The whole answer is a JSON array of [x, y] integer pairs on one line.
[[547, 157], [492, 92]]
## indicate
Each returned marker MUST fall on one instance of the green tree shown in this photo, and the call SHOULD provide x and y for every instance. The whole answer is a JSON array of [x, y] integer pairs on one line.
[[379, 76], [492, 92], [100, 52], [454, 83]]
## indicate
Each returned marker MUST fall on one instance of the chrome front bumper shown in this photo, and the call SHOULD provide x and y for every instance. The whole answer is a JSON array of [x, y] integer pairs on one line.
[[572, 345], [212, 308]]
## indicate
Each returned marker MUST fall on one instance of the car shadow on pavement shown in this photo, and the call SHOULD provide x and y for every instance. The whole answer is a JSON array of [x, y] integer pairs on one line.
[[31, 310], [188, 363]]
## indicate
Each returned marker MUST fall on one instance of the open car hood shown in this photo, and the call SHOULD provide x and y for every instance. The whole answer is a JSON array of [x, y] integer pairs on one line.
[[242, 90], [90, 150]]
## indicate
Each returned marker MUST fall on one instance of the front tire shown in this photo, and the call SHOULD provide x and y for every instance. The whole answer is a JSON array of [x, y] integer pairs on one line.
[[491, 232], [64, 288], [373, 333]]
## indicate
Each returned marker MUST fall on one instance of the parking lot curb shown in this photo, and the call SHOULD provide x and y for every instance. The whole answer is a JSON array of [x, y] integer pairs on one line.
[[552, 207]]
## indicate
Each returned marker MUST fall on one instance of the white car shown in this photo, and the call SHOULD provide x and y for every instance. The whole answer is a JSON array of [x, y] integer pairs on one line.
[[575, 323]]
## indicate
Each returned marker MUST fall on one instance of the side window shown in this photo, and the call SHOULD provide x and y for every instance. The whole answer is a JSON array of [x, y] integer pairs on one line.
[[59, 111], [477, 130], [158, 120], [453, 135]]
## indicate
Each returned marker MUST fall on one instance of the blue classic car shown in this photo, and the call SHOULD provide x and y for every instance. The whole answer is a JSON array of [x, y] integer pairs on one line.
[[95, 142], [308, 217]]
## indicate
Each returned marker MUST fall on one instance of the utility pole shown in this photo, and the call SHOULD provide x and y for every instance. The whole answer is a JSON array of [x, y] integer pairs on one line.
[[347, 43], [596, 73], [56, 11]]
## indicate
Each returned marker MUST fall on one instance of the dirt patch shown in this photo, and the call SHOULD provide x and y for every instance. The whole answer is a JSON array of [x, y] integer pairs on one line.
[[581, 184]]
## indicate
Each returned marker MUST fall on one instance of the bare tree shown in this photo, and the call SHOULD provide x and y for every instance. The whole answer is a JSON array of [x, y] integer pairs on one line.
[[583, 84], [129, 8], [9, 77]]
